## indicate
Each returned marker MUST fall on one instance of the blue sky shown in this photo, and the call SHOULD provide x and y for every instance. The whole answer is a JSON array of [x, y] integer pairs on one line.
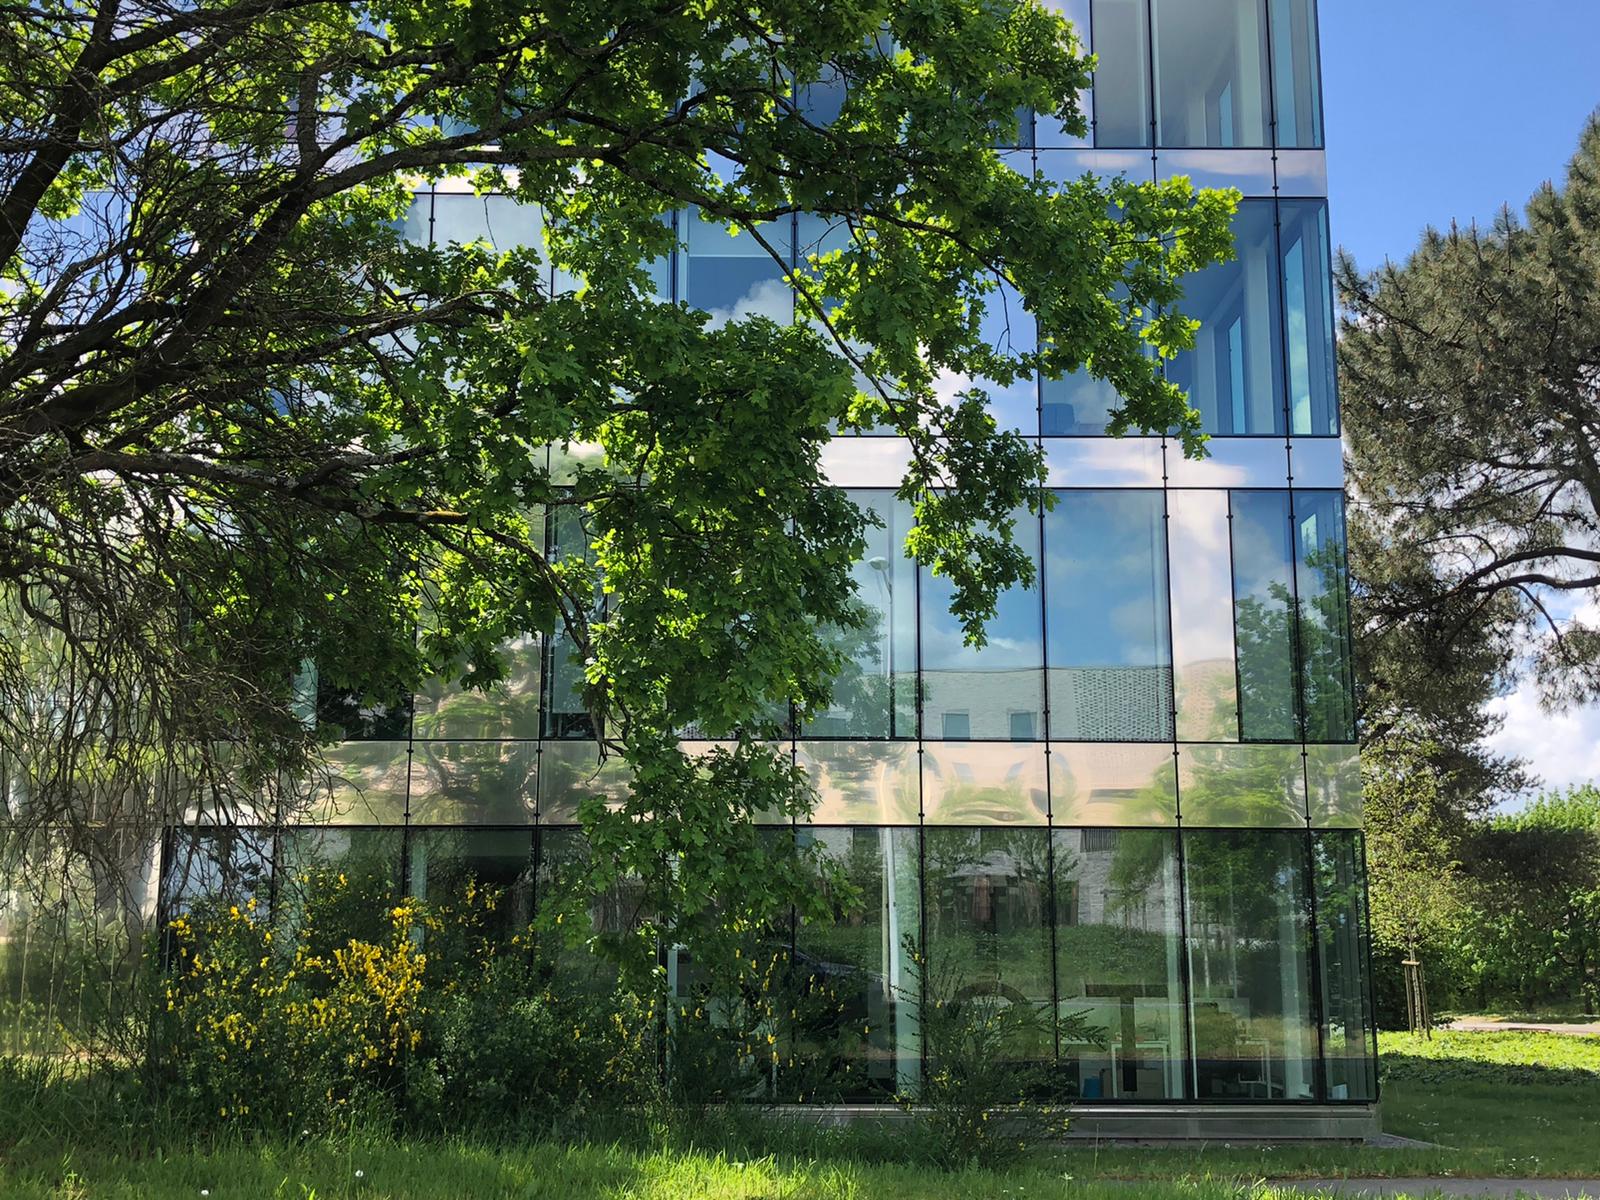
[[1441, 109]]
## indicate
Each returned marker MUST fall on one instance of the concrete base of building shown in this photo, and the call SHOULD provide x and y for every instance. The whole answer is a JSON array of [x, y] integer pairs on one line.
[[1162, 1122]]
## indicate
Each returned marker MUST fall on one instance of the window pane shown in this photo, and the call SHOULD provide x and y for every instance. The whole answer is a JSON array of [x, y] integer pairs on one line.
[[1211, 73], [1134, 783], [1109, 651], [1122, 77], [733, 277], [1297, 83], [1047, 129], [1263, 601], [223, 865], [353, 717], [861, 959], [984, 784], [1233, 374], [1076, 405], [1333, 786], [360, 783], [486, 875], [1324, 593], [572, 772], [498, 221], [1250, 787], [562, 885], [509, 709], [988, 931], [367, 859], [473, 783], [1202, 617], [1117, 963], [1004, 677], [1349, 1029], [566, 715], [1308, 317], [875, 696], [863, 783], [1249, 964], [1010, 329]]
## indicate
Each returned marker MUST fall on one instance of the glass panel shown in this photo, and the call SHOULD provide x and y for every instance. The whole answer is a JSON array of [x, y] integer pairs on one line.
[[1076, 405], [352, 717], [499, 221], [734, 277], [865, 462], [1302, 172], [1115, 462], [562, 885], [988, 928], [1308, 316], [1122, 75], [863, 783], [1251, 787], [571, 772], [1202, 619], [1109, 649], [862, 961], [484, 874], [1249, 965], [1211, 73], [473, 783], [1316, 462], [221, 865], [1323, 587], [368, 860], [1118, 965], [1231, 462], [1009, 329], [364, 783], [1251, 171], [1233, 376], [1005, 677], [509, 709], [1333, 786], [566, 715], [1068, 166], [1133, 783], [1296, 75], [1349, 1030], [1263, 583], [984, 784], [413, 225], [1047, 130], [875, 695]]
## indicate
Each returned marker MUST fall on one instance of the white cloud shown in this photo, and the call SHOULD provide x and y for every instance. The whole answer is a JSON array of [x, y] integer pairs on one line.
[[1561, 748]]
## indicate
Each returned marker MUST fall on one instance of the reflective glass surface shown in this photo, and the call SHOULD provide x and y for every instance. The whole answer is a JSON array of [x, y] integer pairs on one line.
[[1263, 580], [473, 783], [1308, 316], [1010, 329], [1103, 462], [222, 865], [1119, 965], [1211, 73], [1323, 586], [1122, 75], [508, 709], [1233, 376], [990, 690], [1047, 130], [572, 772], [369, 860], [362, 783], [1349, 1032], [1251, 171], [1109, 645], [875, 696], [860, 960], [863, 783], [1333, 786], [566, 714], [1250, 787], [1202, 616], [1076, 405], [485, 874], [1134, 783], [734, 276], [984, 784], [1296, 71], [1317, 462], [1231, 463], [1249, 924], [988, 929]]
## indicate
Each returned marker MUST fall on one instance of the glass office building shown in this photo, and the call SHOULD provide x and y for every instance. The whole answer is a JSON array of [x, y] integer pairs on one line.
[[1141, 800]]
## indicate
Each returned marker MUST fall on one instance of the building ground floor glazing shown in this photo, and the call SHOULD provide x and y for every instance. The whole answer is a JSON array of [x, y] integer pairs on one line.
[[1210, 965]]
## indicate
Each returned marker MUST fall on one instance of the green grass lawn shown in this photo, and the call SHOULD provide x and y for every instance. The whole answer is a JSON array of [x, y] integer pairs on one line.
[[1500, 1104]]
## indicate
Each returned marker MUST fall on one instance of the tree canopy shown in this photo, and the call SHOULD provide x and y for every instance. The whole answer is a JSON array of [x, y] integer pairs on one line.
[[1470, 383], [246, 423]]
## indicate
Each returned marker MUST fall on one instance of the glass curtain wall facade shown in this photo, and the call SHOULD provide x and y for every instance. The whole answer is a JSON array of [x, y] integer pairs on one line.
[[1140, 803]]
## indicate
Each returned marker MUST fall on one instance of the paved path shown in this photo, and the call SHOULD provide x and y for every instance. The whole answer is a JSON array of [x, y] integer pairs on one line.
[[1485, 1025], [1495, 1189]]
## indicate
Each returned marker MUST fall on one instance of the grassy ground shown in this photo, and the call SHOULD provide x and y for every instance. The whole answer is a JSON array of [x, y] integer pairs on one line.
[[1501, 1104]]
